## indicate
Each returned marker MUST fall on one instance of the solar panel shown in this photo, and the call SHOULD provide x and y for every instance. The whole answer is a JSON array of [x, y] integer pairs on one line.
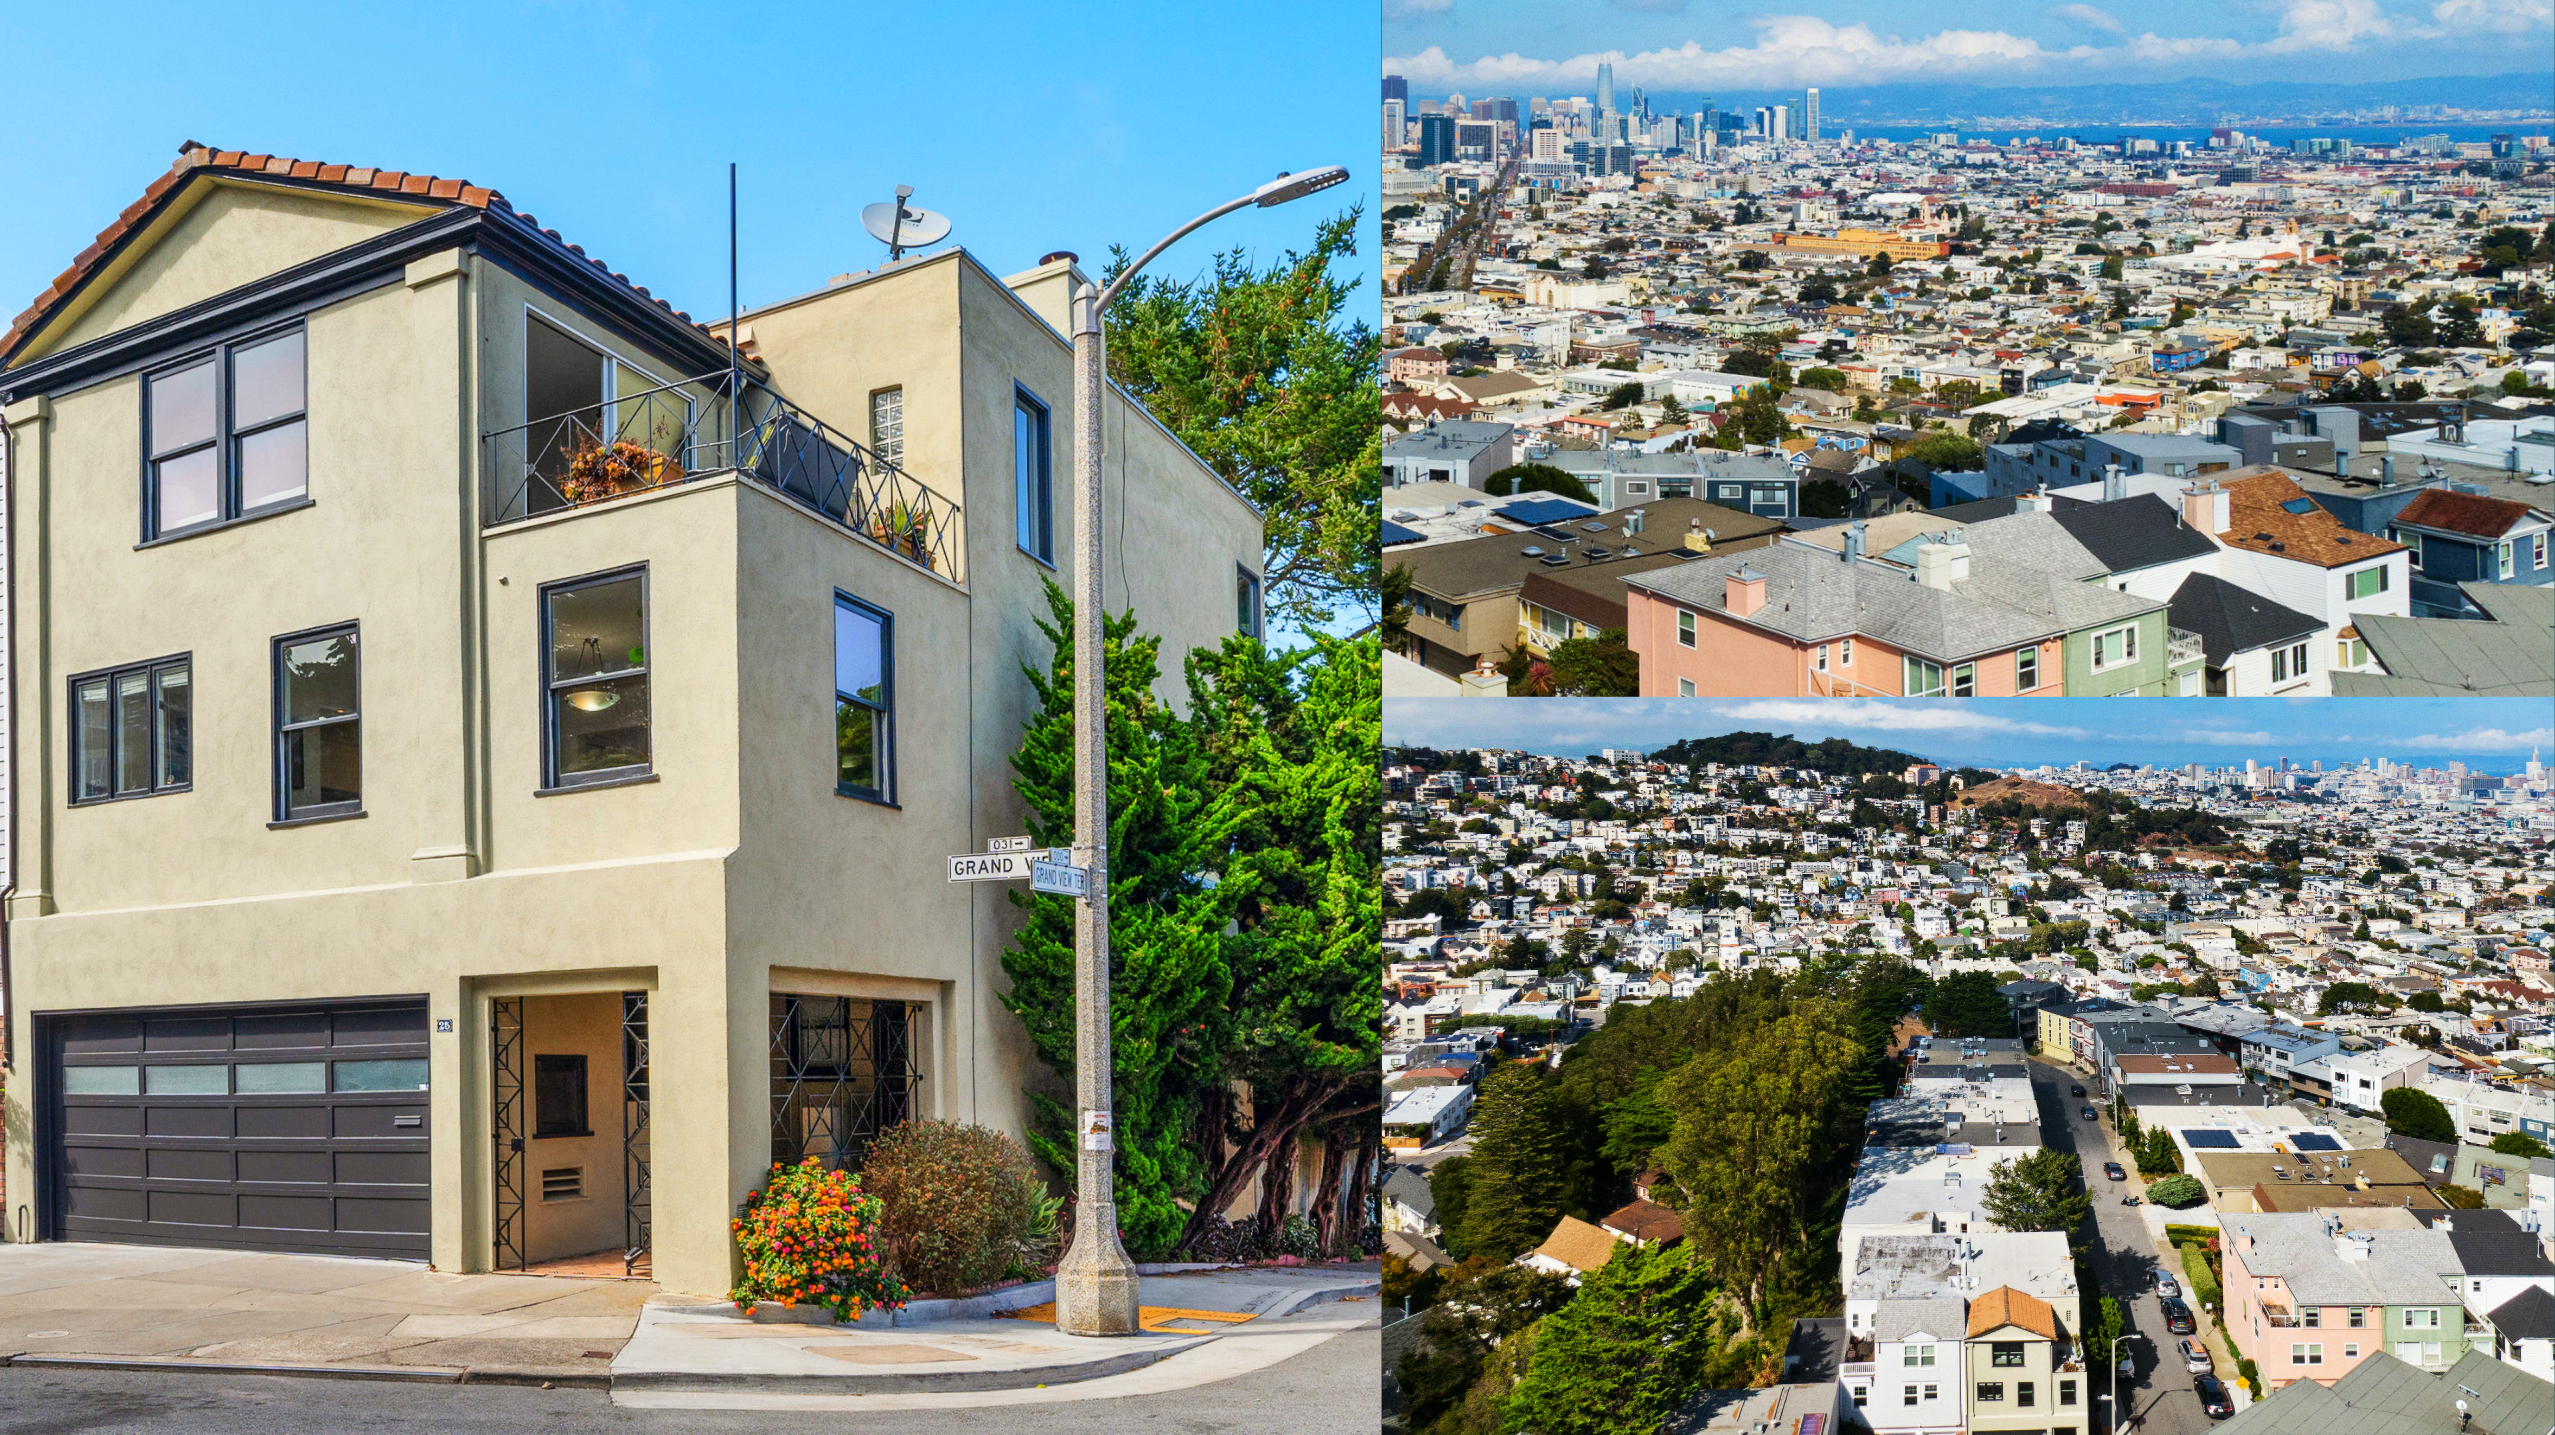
[[1542, 510], [1395, 534], [2210, 1140], [1559, 535], [2313, 1141]]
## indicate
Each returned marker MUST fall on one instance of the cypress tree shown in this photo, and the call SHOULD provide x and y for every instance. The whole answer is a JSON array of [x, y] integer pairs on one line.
[[1520, 1183]]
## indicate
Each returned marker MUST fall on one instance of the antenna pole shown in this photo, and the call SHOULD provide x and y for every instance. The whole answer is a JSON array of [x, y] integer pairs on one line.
[[735, 395]]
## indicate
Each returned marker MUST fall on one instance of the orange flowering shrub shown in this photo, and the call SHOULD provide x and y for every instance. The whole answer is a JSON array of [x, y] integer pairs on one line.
[[810, 1237]]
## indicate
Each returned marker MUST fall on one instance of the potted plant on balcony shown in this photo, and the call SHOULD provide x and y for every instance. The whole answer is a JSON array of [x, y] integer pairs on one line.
[[598, 471], [904, 530]]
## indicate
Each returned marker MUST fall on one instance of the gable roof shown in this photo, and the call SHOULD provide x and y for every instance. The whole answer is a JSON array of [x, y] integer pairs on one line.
[[2232, 620], [2140, 531], [1647, 1222], [1578, 1245], [202, 163], [2530, 1315], [2505, 653], [2384, 1396], [2006, 1306], [2471, 514]]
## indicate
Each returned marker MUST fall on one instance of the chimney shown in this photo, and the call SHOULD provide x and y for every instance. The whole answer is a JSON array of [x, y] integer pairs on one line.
[[2115, 486], [1942, 563], [1853, 542], [1635, 521], [1744, 591], [2354, 1245], [2386, 470], [2035, 501], [1698, 537], [2204, 506]]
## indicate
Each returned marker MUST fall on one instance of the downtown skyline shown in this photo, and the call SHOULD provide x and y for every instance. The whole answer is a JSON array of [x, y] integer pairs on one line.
[[2491, 735]]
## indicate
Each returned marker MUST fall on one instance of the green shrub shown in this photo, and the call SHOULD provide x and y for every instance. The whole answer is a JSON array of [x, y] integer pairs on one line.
[[2179, 1192], [809, 1237], [2204, 1285], [2180, 1233], [2251, 1377], [965, 1205]]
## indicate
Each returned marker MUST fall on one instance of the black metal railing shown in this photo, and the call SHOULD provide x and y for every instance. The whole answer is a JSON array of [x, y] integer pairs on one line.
[[843, 1074], [505, 1061], [714, 424], [637, 1136]]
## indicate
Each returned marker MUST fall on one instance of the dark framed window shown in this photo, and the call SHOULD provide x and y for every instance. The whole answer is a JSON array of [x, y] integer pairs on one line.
[[1246, 602], [1033, 476], [559, 1096], [132, 731], [864, 700], [2005, 1352], [225, 435], [319, 739], [595, 679]]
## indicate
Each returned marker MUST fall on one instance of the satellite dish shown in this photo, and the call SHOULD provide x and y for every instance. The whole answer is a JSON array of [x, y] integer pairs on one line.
[[901, 226]]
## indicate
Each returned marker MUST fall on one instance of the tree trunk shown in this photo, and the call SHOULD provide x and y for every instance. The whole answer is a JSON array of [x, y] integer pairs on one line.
[[1244, 1161], [1326, 1208]]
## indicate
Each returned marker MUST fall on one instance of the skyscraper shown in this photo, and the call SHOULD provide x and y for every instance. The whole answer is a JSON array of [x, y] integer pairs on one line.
[[1436, 140], [1397, 88], [1810, 116], [1394, 124], [1605, 88]]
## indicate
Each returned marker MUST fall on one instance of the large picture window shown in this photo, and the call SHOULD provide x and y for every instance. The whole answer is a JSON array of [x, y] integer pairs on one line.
[[132, 731], [596, 680], [1033, 479], [1923, 679], [2367, 583], [319, 748], [864, 700], [225, 436]]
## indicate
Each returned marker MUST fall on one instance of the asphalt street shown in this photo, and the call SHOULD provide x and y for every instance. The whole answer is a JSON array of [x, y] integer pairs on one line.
[[2124, 1258], [1328, 1390]]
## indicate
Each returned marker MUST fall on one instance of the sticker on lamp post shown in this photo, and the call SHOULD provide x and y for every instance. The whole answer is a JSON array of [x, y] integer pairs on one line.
[[1060, 878], [1095, 1130]]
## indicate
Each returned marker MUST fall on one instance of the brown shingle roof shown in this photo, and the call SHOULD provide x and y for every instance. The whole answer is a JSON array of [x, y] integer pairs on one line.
[[1578, 1245], [2006, 1306], [1647, 1222], [2258, 522], [2468, 513], [194, 159]]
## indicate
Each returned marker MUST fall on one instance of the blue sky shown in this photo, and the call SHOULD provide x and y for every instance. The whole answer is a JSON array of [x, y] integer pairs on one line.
[[2489, 734], [1535, 47], [1035, 127]]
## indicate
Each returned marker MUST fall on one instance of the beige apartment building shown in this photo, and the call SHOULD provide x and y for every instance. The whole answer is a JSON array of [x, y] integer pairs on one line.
[[483, 779]]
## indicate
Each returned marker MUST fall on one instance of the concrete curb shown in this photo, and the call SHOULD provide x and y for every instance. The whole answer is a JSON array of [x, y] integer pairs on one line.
[[417, 1374], [920, 1383]]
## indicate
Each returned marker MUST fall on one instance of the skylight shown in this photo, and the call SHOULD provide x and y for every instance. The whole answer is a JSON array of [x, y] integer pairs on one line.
[[2299, 505]]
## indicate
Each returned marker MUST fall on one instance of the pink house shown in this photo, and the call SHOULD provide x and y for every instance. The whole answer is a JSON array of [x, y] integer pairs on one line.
[[1803, 622], [2309, 1295]]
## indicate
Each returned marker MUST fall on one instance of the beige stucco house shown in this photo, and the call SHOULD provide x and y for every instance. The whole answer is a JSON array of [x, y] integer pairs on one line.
[[483, 780]]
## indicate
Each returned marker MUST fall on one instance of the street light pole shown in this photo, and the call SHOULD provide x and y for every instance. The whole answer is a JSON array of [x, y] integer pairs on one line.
[[1095, 1282], [2117, 1405]]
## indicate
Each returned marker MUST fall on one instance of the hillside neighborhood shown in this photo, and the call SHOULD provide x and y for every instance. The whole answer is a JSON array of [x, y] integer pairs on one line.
[[2249, 1069]]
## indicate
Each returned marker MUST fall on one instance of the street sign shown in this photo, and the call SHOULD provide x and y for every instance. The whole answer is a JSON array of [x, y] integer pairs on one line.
[[1061, 879], [1007, 844], [992, 866]]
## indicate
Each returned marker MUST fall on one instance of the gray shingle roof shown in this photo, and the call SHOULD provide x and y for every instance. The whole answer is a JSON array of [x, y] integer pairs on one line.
[[1944, 1317], [2384, 1396], [2403, 1267], [2141, 531], [2509, 654], [2232, 620]]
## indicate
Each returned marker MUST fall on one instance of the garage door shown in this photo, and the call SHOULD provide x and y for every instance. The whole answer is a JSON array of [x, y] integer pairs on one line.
[[278, 1128]]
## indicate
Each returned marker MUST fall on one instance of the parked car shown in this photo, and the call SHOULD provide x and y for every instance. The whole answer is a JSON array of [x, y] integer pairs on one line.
[[2213, 1397], [2089, 1113], [2178, 1317], [2195, 1356], [2167, 1286], [2112, 1170], [2076, 1090]]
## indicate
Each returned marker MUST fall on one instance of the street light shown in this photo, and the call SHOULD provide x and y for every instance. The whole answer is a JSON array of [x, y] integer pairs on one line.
[[2115, 1375], [1096, 1283]]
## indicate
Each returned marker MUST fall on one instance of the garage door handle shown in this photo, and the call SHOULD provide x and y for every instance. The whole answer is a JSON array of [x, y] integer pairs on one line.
[[407, 1120]]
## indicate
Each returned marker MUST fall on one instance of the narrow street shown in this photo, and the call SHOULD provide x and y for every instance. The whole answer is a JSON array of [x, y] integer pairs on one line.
[[2124, 1259]]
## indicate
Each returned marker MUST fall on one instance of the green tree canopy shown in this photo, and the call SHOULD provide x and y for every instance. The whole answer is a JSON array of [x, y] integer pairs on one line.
[[2520, 1144], [1968, 1004], [2179, 1192], [1534, 478], [2036, 1193], [1600, 667], [1626, 1353], [2418, 1114], [1267, 378], [1522, 1180]]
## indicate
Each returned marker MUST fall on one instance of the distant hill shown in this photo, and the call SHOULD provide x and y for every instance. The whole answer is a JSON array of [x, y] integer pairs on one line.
[[2045, 796], [1834, 756], [2181, 102]]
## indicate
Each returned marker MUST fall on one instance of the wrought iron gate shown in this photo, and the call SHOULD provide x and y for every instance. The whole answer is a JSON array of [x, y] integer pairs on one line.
[[842, 1074], [505, 1064], [635, 1136]]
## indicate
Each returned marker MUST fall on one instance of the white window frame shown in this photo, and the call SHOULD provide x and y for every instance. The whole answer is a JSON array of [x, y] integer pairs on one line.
[[1819, 661], [1685, 687], [1921, 679], [1685, 629], [2422, 1318], [2026, 668], [1963, 682], [2412, 542], [2502, 556], [2128, 647], [2351, 583], [1845, 652]]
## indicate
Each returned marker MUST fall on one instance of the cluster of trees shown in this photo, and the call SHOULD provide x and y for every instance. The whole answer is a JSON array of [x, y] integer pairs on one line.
[[1968, 1004], [1832, 756], [1749, 1096], [1245, 866]]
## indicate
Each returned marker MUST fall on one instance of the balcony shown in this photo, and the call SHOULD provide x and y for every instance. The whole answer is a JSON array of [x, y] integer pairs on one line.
[[691, 430], [2182, 649]]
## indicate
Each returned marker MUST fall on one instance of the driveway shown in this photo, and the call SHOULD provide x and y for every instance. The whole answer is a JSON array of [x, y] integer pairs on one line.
[[2124, 1257]]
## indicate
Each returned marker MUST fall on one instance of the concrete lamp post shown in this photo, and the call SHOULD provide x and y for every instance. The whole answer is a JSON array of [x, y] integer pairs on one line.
[[1096, 1283]]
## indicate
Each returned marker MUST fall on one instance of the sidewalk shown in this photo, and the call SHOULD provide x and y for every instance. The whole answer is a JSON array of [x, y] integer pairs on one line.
[[75, 1304]]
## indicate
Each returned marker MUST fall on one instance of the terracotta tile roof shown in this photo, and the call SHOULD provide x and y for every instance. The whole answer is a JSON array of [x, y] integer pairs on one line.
[[2006, 1306], [1578, 1245], [2469, 513], [195, 158], [2260, 520]]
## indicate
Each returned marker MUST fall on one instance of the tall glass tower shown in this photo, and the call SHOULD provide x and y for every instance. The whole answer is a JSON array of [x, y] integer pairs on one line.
[[1605, 88], [1810, 116]]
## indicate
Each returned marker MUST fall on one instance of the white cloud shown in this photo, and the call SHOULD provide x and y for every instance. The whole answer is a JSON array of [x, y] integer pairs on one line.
[[2088, 15], [2506, 16], [1884, 716], [2482, 739]]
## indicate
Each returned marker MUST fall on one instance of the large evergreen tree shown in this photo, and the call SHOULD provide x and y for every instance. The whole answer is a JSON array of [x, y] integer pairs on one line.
[[1625, 1354], [1168, 976], [2036, 1193], [1521, 1183]]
